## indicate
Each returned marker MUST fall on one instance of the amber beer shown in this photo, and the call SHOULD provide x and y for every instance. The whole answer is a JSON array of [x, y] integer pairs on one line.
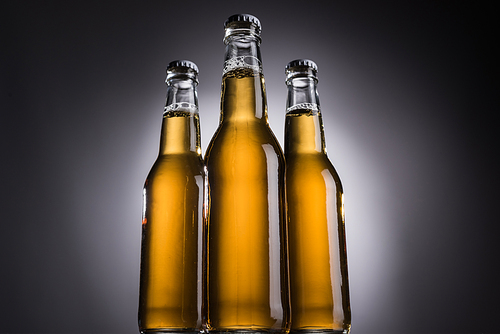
[[247, 287], [171, 255], [319, 289]]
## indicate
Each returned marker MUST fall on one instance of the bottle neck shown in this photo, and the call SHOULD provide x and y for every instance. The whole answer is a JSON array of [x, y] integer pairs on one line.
[[242, 51], [304, 125], [243, 88], [181, 127]]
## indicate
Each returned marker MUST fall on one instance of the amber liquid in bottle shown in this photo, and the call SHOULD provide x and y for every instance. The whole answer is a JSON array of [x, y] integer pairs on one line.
[[171, 257], [318, 263], [247, 260]]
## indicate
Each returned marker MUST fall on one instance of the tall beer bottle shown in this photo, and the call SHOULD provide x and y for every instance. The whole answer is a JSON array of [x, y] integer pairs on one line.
[[247, 257], [319, 289], [171, 256]]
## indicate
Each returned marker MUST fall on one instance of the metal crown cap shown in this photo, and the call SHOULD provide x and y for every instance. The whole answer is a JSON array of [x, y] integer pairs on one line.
[[183, 63], [243, 18], [302, 62]]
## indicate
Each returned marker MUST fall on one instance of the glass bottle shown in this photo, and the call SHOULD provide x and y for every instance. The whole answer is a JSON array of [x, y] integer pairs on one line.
[[171, 254], [319, 290], [247, 258]]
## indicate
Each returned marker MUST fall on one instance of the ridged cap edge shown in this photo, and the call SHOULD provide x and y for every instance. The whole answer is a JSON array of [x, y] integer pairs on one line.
[[302, 62], [243, 18], [183, 63]]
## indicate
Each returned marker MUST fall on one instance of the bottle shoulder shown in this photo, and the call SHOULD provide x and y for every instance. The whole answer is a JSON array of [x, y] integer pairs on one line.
[[236, 137], [175, 165], [305, 166]]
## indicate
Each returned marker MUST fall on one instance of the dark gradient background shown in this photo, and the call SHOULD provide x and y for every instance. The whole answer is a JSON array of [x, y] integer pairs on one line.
[[409, 94]]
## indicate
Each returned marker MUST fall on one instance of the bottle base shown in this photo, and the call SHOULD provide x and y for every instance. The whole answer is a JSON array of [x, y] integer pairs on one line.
[[172, 331], [248, 331], [319, 331]]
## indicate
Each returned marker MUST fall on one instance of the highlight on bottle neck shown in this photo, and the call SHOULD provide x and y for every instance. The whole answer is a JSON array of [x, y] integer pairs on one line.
[[242, 40], [302, 79], [182, 79]]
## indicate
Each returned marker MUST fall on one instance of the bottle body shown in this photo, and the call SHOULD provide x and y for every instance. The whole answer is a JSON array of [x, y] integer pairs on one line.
[[247, 272], [319, 289], [170, 298], [246, 237], [171, 262]]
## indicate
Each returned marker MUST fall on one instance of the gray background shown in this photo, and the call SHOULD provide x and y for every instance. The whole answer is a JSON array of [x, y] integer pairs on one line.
[[409, 95]]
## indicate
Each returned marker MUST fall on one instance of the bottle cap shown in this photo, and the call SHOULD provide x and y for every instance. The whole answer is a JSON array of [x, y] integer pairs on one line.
[[243, 18], [244, 24], [183, 63], [182, 68], [302, 62], [301, 68]]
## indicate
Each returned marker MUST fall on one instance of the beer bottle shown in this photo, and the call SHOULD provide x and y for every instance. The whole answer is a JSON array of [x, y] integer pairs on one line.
[[247, 257], [171, 254], [319, 290]]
